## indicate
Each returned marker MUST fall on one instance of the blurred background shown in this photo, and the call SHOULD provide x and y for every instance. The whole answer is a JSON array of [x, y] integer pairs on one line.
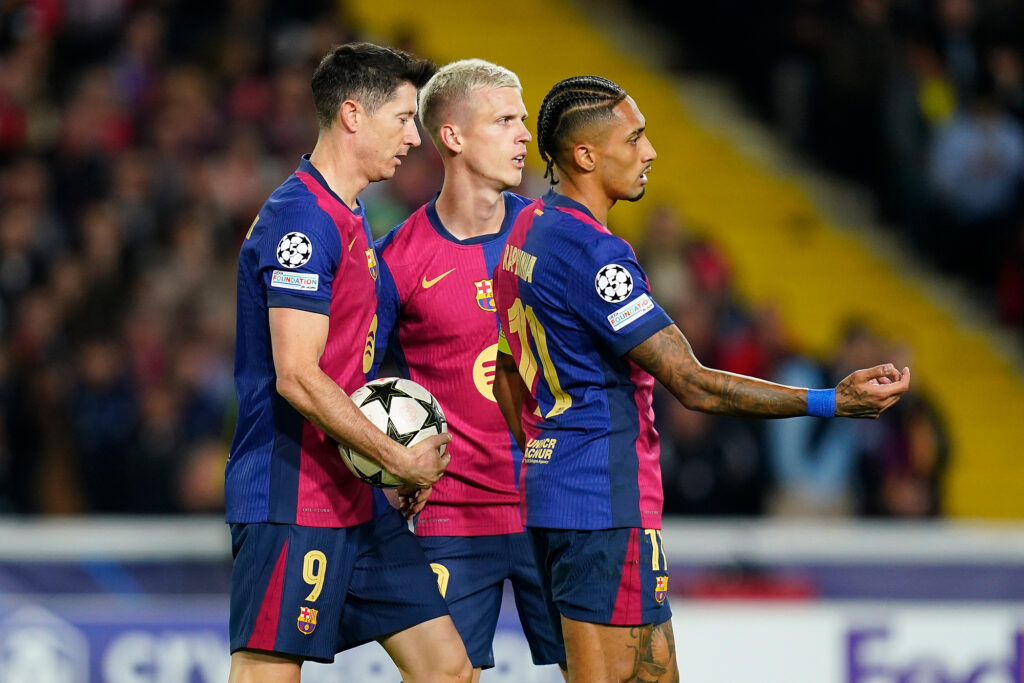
[[838, 185]]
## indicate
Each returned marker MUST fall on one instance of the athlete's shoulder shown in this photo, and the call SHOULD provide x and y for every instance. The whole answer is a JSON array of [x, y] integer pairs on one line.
[[559, 226], [604, 244], [405, 238], [516, 203], [557, 230], [574, 222], [293, 208], [573, 244]]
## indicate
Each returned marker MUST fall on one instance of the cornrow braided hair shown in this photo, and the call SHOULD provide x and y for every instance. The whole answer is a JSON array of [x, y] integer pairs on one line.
[[568, 105]]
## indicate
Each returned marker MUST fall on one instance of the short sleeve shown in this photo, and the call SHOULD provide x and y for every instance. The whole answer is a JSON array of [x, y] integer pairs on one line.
[[610, 293], [299, 255]]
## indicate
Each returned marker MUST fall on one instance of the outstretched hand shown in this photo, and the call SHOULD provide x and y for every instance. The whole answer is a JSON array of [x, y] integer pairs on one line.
[[867, 393]]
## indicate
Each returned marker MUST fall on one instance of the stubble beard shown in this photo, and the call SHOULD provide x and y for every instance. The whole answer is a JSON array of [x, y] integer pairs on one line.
[[639, 196]]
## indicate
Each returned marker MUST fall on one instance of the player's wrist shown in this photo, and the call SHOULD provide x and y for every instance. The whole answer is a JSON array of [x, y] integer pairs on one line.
[[821, 402], [390, 454]]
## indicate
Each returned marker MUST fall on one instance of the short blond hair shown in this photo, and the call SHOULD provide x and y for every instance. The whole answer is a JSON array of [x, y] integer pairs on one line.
[[453, 83]]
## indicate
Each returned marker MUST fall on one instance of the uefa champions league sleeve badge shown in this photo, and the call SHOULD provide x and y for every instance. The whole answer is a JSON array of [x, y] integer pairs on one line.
[[294, 250], [613, 283]]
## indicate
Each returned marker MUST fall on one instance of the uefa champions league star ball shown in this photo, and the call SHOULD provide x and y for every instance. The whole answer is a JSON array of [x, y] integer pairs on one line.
[[294, 250], [613, 283], [404, 411]]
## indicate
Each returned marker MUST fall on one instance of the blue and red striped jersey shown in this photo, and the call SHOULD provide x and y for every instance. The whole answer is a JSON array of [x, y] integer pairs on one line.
[[438, 321], [572, 302], [309, 251]]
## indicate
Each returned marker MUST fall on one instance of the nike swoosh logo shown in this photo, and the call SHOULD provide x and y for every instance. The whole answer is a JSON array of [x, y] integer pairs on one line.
[[427, 284], [352, 242]]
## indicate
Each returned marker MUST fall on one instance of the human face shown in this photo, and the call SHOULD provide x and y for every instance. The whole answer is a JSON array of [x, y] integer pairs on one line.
[[494, 136], [625, 153], [389, 134]]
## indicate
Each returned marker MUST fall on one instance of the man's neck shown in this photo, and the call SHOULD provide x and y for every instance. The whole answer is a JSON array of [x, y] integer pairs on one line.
[[467, 208], [587, 194], [330, 158]]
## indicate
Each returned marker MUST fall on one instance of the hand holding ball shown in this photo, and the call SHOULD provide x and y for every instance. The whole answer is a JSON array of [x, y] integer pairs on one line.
[[404, 411]]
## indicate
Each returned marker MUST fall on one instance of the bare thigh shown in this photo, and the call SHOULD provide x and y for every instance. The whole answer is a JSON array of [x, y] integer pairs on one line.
[[598, 653], [429, 652], [263, 667]]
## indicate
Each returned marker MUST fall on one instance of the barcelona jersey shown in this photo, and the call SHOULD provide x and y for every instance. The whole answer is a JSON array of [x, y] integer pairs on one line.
[[438, 320], [306, 250], [572, 302]]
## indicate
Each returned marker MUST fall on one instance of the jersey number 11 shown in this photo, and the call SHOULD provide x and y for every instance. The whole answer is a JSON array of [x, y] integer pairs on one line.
[[523, 323]]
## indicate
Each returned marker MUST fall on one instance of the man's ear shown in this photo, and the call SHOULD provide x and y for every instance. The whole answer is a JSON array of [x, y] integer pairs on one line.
[[451, 137], [584, 157], [350, 115]]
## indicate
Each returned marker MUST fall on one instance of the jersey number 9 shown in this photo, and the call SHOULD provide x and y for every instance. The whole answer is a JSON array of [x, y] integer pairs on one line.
[[314, 569]]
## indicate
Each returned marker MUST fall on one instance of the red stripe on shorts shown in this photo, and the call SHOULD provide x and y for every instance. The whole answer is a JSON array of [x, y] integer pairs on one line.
[[264, 631], [628, 606]]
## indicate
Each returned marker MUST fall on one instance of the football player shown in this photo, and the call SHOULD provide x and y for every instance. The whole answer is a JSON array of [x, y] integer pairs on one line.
[[583, 341], [315, 571], [438, 319]]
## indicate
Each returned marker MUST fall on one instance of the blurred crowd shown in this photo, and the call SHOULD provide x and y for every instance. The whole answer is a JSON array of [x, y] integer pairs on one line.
[[137, 142], [920, 100], [713, 465]]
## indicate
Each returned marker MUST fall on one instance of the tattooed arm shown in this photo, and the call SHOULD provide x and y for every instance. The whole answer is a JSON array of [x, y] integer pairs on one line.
[[668, 357], [509, 392]]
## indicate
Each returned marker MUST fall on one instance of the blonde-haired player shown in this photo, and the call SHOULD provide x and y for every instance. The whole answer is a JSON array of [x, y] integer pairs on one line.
[[437, 319]]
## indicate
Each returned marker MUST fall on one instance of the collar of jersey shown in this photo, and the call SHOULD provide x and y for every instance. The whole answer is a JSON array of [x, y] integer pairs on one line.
[[552, 198], [306, 166], [435, 222]]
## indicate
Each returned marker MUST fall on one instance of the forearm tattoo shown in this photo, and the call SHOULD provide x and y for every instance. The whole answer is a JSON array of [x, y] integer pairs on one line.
[[668, 357]]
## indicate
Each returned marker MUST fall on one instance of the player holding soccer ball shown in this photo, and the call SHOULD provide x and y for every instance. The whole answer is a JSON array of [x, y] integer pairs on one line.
[[315, 572], [438, 314], [584, 341]]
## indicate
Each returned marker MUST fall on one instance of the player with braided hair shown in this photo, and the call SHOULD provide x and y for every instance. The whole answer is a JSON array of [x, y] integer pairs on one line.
[[570, 104], [583, 341]]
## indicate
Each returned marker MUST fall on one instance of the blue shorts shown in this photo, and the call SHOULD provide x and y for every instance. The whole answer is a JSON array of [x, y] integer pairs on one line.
[[312, 592], [471, 572], [608, 576]]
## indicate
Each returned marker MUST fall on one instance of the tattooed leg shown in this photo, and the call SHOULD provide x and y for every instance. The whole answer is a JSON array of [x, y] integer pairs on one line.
[[599, 653], [654, 654]]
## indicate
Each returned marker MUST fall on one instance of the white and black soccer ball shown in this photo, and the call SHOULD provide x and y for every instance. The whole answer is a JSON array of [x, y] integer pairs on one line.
[[613, 283], [294, 250], [404, 411]]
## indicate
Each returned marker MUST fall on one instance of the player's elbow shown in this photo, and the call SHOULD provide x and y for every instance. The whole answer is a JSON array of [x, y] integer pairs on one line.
[[691, 390], [290, 385], [287, 387], [695, 400]]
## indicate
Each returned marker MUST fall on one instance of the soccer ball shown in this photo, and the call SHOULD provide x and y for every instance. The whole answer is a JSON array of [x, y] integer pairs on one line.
[[403, 410]]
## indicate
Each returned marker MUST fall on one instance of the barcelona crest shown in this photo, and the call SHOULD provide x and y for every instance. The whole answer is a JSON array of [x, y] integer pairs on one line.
[[485, 295], [371, 263], [661, 589], [307, 620]]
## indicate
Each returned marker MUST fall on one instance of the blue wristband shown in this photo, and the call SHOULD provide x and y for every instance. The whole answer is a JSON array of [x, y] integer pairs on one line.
[[821, 402]]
